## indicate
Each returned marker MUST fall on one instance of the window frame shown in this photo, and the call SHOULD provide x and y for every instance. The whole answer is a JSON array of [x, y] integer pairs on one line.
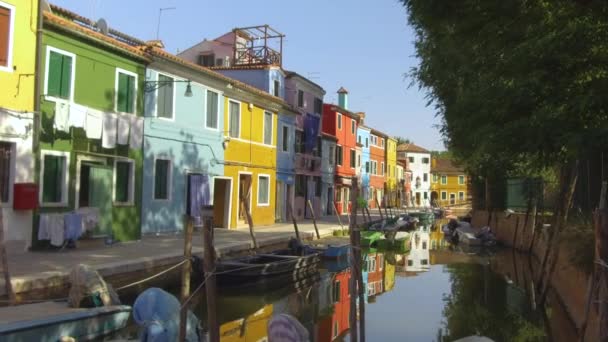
[[411, 159], [444, 198], [300, 98], [425, 160], [382, 169], [131, 190], [461, 177], [116, 84], [169, 180], [353, 127], [240, 104], [10, 39], [341, 161], [332, 154], [264, 128], [461, 198], [339, 119], [276, 90], [50, 49], [284, 138], [353, 161], [65, 176], [261, 204], [217, 115], [444, 179], [174, 78]]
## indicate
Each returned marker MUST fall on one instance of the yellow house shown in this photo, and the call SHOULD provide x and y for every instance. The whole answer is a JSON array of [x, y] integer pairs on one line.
[[250, 139], [449, 183], [252, 328], [18, 26], [391, 169]]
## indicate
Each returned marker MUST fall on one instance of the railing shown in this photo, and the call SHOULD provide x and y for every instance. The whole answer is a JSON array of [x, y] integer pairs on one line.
[[257, 55]]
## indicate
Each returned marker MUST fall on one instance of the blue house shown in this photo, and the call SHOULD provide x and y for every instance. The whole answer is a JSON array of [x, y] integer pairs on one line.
[[183, 143], [363, 138], [253, 56]]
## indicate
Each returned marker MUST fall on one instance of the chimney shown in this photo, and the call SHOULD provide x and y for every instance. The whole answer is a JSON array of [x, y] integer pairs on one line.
[[343, 98]]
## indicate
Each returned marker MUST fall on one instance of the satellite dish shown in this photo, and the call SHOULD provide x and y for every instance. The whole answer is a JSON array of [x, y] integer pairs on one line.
[[102, 26], [46, 7]]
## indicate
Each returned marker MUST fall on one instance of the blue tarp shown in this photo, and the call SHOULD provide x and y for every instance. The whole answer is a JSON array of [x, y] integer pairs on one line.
[[311, 131]]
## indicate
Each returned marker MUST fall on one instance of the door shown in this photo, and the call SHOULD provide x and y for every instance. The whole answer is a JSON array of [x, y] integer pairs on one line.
[[100, 197], [418, 199], [280, 199], [244, 196], [330, 201], [221, 202]]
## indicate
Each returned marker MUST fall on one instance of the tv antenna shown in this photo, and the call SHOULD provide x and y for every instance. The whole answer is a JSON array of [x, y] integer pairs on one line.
[[160, 12]]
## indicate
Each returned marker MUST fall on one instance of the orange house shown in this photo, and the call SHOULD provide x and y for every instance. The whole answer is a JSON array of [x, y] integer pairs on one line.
[[338, 324], [377, 178]]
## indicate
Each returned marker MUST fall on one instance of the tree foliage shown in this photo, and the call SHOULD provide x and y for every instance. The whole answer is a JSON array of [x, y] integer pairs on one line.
[[520, 82], [402, 140]]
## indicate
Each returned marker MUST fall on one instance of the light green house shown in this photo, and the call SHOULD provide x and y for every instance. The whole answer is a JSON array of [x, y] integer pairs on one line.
[[89, 146]]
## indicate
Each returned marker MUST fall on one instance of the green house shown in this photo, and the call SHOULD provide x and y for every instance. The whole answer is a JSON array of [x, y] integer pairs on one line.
[[89, 148]]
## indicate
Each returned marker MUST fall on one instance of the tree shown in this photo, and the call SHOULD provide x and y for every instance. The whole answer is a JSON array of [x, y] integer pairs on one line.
[[402, 140]]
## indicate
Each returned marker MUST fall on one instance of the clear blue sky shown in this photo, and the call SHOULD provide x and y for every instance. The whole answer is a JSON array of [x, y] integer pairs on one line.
[[365, 46]]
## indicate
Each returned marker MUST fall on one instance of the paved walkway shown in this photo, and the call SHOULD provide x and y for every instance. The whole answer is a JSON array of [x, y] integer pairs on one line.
[[35, 271]]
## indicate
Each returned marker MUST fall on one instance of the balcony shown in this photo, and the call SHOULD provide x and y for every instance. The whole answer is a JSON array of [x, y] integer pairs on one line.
[[307, 164]]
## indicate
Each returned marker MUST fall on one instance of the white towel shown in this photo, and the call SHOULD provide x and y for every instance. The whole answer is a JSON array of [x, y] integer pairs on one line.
[[93, 124], [137, 131], [108, 136], [62, 113], [78, 115], [43, 227], [123, 129], [57, 229]]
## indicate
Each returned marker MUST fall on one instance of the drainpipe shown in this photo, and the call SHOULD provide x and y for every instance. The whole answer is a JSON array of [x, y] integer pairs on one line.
[[37, 115]]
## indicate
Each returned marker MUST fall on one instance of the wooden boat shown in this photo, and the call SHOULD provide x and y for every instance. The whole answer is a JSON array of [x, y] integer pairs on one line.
[[267, 267], [50, 321]]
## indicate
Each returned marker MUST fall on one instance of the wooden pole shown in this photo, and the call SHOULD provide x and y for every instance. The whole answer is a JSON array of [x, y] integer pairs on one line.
[[293, 219], [210, 284], [369, 216], [602, 262], [338, 215], [250, 222], [314, 219], [186, 270], [7, 276], [354, 264], [379, 209]]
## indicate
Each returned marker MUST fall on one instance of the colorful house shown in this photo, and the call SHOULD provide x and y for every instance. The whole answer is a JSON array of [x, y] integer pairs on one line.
[[89, 161], [253, 55], [18, 26], [377, 180], [306, 97], [338, 121], [419, 162], [418, 258], [328, 172], [449, 183], [375, 274], [339, 323], [363, 137], [183, 144], [390, 158]]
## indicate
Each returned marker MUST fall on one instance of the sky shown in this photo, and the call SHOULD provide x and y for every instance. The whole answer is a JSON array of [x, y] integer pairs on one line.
[[365, 46]]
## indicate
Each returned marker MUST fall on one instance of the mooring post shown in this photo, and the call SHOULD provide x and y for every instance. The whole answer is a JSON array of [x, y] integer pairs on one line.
[[355, 264], [186, 270], [293, 219], [250, 223], [338, 215], [379, 208], [209, 269], [602, 261], [314, 219]]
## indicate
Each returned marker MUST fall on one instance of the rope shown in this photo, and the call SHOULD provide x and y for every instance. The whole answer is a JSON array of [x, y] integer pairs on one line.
[[153, 276], [602, 263]]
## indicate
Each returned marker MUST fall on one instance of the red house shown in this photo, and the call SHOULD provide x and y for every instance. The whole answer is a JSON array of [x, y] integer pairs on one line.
[[338, 324], [342, 123]]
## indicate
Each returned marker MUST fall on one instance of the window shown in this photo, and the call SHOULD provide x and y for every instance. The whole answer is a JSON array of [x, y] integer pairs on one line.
[[164, 97], [359, 139], [425, 195], [275, 90], [55, 166], [444, 179], [59, 73], [366, 167], [285, 139], [318, 105], [123, 181], [352, 126], [425, 160], [299, 141], [7, 24], [126, 91], [366, 142], [410, 262], [212, 114], [444, 195], [336, 291], [372, 264], [207, 60], [339, 118], [382, 169], [425, 177], [300, 185], [162, 179], [435, 178], [382, 142], [318, 186], [263, 190], [235, 119], [339, 155], [374, 167], [353, 158], [300, 98], [267, 128], [424, 262], [359, 161], [332, 155], [461, 180], [6, 165], [461, 196]]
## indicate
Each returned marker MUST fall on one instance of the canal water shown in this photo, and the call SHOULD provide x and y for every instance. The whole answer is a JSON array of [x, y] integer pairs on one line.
[[435, 292]]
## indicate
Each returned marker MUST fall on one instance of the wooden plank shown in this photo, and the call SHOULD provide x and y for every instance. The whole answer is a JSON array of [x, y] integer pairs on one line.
[[245, 205], [186, 270]]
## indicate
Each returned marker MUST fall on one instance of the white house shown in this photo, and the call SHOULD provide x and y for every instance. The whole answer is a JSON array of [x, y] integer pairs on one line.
[[419, 161]]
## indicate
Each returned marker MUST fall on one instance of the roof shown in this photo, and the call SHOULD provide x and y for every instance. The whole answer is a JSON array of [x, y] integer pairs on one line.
[[412, 148], [342, 91], [378, 133], [445, 165], [246, 67], [337, 108], [328, 136], [295, 74]]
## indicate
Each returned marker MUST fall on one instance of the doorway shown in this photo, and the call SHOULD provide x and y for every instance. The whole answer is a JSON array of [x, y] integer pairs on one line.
[[94, 190], [330, 201], [280, 199], [452, 198], [244, 196], [222, 195], [418, 199]]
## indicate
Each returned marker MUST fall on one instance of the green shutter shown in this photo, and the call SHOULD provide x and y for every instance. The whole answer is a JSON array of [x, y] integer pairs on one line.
[[122, 181], [161, 178], [130, 94], [66, 77], [121, 98], [52, 179], [54, 74]]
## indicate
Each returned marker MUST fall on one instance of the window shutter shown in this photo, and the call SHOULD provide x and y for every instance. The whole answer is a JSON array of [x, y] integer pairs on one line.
[[66, 77], [212, 104], [54, 74], [160, 181], [5, 29], [123, 92], [122, 181], [52, 178]]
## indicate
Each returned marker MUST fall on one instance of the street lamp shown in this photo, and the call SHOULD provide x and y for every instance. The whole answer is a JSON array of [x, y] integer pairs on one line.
[[150, 86]]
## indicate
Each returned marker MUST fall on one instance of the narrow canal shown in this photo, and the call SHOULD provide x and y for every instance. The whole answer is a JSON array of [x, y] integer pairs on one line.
[[435, 292]]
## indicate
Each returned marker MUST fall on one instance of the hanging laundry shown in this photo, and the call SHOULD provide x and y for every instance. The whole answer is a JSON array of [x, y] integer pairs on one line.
[[78, 115], [137, 131], [93, 124], [57, 230], [62, 113], [123, 129], [108, 136], [73, 226], [311, 131], [43, 227]]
